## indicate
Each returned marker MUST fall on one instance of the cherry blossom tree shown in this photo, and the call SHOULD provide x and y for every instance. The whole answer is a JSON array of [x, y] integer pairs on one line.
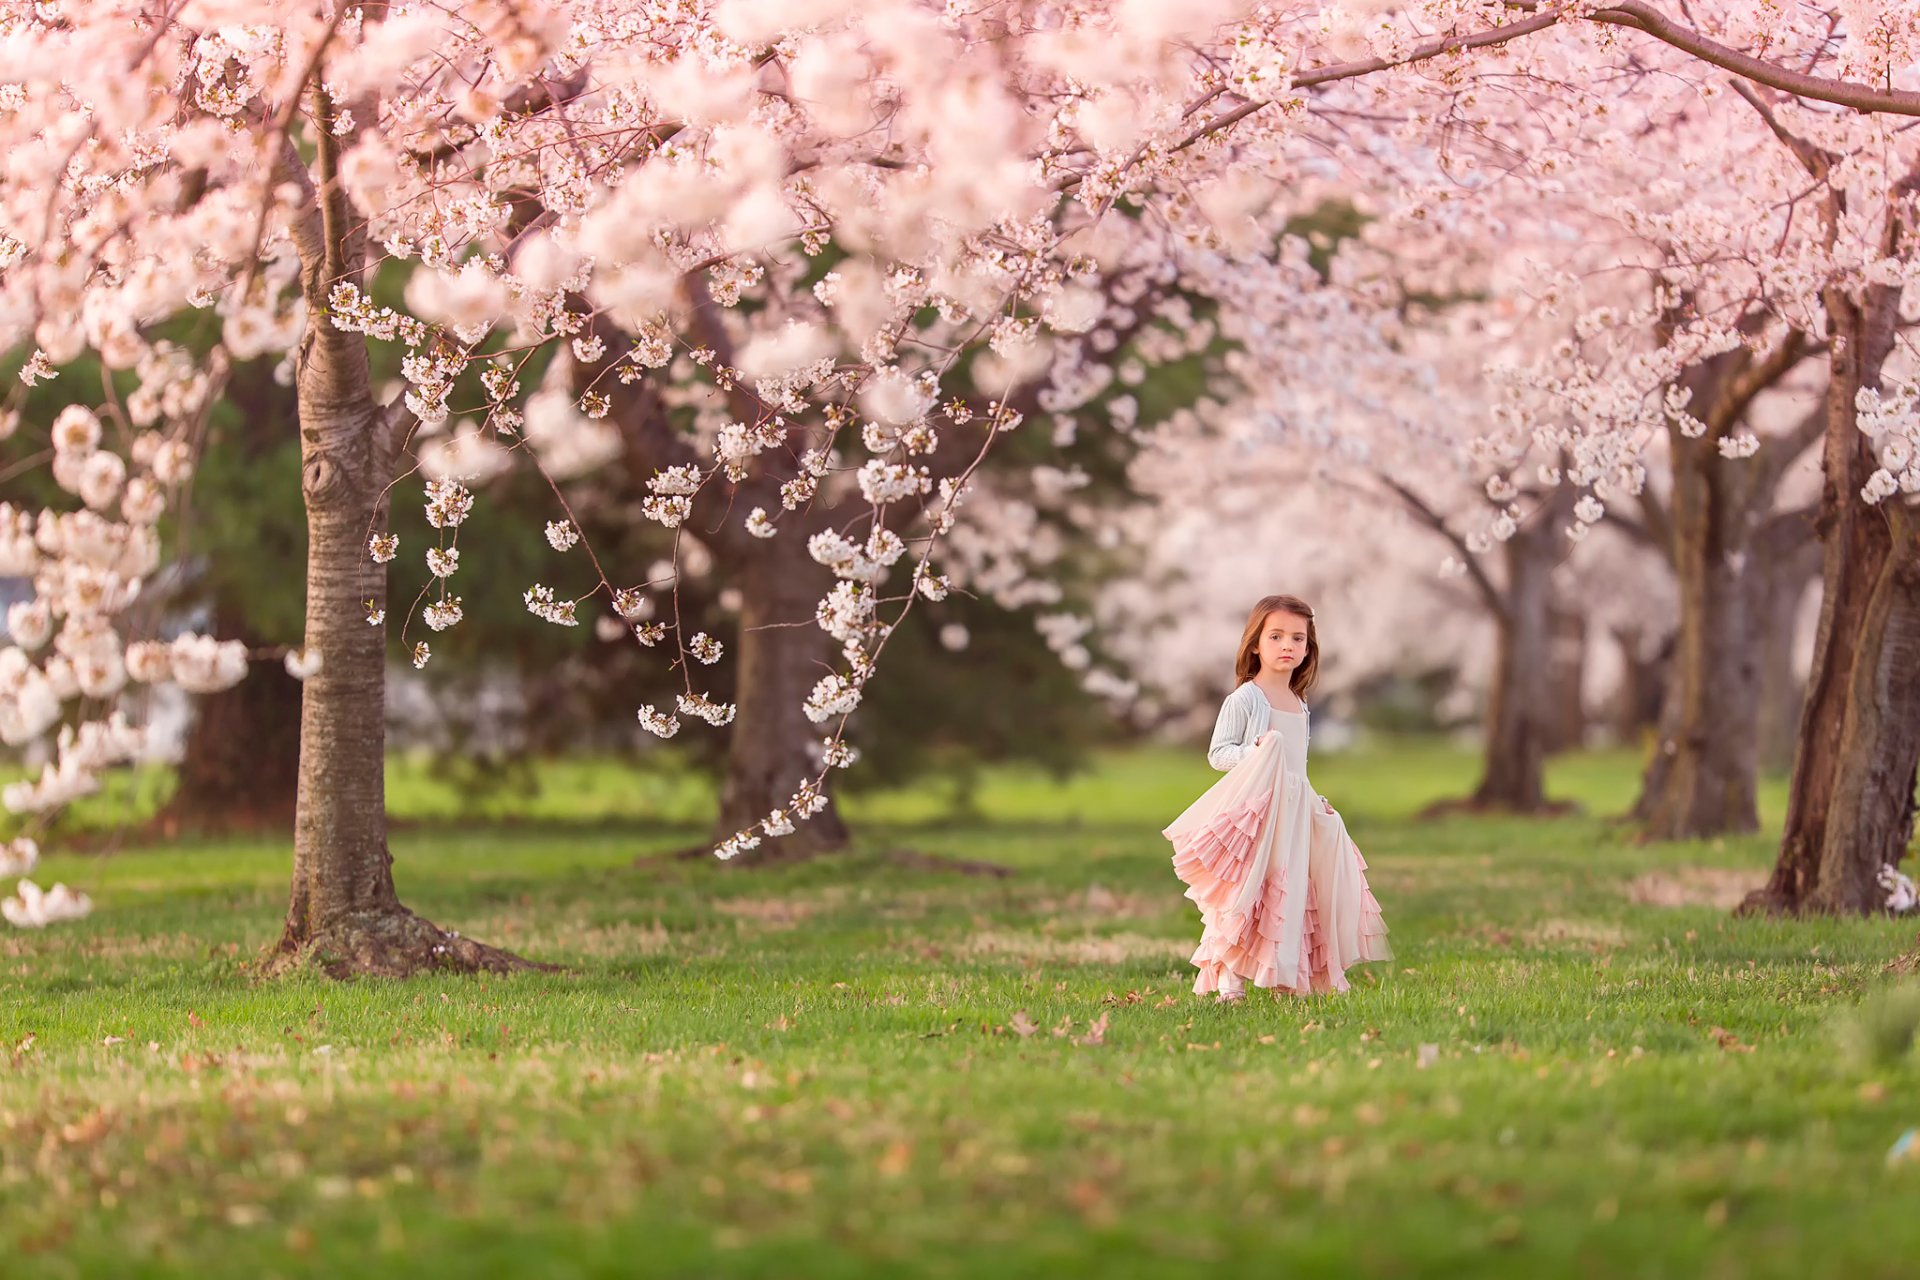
[[1755, 228], [1805, 253]]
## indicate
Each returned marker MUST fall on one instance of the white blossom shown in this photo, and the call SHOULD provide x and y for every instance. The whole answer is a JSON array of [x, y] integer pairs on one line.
[[442, 613], [30, 908], [542, 604], [658, 724]]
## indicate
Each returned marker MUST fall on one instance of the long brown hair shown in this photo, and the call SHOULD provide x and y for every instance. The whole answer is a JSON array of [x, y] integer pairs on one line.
[[1247, 664]]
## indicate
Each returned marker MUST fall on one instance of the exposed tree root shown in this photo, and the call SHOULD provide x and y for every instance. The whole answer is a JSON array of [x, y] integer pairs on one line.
[[390, 944], [1468, 806]]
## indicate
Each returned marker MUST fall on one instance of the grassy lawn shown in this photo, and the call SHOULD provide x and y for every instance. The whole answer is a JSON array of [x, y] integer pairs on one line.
[[859, 1068]]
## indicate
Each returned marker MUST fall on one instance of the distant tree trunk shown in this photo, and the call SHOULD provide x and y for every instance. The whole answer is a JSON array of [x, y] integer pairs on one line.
[[778, 650], [1718, 534], [781, 654], [1850, 804], [1702, 778], [1519, 712], [1636, 705], [343, 911], [1786, 574], [1568, 656], [241, 765]]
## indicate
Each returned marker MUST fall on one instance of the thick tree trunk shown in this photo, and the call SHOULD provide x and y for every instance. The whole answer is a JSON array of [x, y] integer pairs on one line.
[[1850, 803], [781, 654], [241, 766], [1520, 710], [1870, 821], [343, 912]]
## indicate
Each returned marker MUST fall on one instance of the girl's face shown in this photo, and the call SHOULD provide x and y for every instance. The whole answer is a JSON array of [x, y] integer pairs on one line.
[[1283, 642]]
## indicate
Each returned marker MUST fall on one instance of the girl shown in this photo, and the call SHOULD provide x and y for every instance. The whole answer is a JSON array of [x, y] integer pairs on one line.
[[1282, 890]]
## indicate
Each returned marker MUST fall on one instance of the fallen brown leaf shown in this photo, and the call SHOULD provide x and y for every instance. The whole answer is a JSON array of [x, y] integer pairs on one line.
[[1096, 1032], [896, 1160], [1728, 1041]]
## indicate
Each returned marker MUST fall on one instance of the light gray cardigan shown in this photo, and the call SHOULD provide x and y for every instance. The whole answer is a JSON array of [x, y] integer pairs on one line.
[[1243, 717]]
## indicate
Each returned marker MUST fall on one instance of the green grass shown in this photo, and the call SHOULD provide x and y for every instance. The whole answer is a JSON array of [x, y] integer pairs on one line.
[[816, 1071]]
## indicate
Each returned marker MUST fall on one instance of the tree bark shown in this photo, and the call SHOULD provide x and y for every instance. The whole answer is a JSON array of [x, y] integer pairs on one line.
[[781, 653], [1642, 693], [1850, 803], [1702, 779], [1519, 711], [1719, 536], [1785, 574], [1568, 658], [343, 912]]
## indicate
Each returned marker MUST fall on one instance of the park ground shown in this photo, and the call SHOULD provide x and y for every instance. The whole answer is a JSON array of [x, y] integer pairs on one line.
[[1578, 1065]]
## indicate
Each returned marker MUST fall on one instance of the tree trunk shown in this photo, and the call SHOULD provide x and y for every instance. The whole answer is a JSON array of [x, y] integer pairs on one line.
[[241, 762], [343, 912], [779, 651], [1785, 576], [241, 765], [1850, 804], [1870, 822], [1519, 712], [1642, 693], [1701, 781], [1568, 676], [781, 654]]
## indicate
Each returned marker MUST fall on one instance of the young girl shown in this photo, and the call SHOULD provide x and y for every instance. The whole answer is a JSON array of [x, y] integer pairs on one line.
[[1282, 890]]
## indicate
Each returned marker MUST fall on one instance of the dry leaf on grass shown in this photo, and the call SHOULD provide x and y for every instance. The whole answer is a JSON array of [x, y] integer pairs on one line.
[[1728, 1041], [1096, 1032]]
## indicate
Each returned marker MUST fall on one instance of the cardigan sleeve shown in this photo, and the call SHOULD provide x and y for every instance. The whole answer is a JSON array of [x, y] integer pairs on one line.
[[1233, 733]]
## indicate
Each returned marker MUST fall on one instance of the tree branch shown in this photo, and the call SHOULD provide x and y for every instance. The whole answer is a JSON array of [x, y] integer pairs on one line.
[[1658, 521], [1641, 16], [1777, 453], [1815, 160], [1739, 391], [1638, 531], [1632, 14], [1785, 537], [1490, 595]]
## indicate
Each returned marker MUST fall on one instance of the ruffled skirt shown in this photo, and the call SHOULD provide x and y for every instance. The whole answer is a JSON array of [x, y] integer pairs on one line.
[[1281, 887]]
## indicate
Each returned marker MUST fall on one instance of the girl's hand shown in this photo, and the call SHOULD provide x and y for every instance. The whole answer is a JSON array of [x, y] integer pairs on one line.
[[1328, 803], [1265, 738]]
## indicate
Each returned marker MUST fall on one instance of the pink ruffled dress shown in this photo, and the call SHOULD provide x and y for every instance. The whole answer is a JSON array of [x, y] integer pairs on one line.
[[1281, 887]]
